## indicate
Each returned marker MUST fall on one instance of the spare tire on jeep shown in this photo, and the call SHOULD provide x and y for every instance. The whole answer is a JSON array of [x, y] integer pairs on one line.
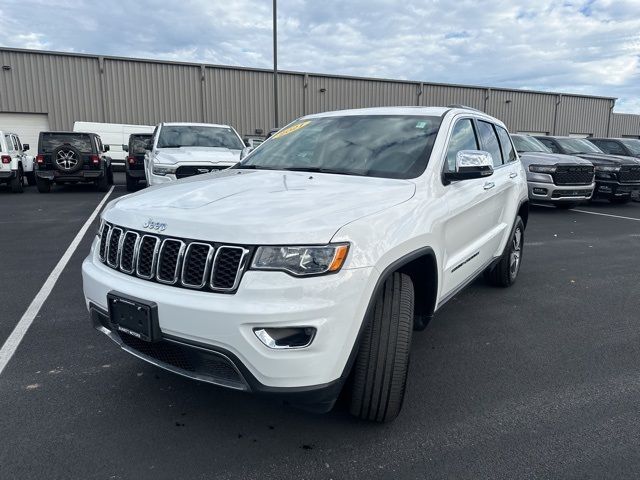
[[67, 159]]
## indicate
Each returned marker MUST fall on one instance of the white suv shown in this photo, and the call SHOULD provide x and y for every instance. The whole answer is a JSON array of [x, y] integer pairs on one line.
[[15, 164], [311, 262], [180, 150]]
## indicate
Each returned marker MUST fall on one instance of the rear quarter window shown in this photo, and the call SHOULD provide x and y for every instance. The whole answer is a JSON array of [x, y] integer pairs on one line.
[[51, 141]]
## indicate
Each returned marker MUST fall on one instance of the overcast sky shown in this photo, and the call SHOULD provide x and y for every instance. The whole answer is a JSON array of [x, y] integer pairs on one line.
[[590, 47]]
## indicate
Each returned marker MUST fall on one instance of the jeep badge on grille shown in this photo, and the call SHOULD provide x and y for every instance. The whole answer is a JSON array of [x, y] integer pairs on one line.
[[157, 226]]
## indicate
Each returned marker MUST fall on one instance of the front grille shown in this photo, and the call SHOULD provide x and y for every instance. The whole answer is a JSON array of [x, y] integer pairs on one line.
[[180, 262], [191, 170], [573, 175], [629, 174], [205, 363]]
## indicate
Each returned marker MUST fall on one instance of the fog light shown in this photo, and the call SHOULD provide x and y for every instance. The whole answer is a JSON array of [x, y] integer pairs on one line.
[[285, 338], [540, 191]]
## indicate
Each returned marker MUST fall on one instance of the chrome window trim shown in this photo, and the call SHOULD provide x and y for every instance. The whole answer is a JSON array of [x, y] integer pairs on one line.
[[153, 259], [117, 262], [178, 261], [207, 267], [135, 252], [241, 267]]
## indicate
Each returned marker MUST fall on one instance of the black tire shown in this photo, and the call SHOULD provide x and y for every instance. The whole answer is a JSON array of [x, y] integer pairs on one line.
[[17, 182], [567, 205], [380, 370], [103, 182], [132, 183], [110, 175], [63, 158], [620, 200], [31, 178], [44, 185], [504, 274]]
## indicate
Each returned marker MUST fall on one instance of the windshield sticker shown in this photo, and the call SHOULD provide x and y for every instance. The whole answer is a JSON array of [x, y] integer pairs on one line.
[[421, 124], [291, 129]]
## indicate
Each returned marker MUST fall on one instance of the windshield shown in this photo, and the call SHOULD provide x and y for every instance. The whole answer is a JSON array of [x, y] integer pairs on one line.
[[525, 143], [138, 143], [175, 136], [389, 146], [632, 144], [577, 145]]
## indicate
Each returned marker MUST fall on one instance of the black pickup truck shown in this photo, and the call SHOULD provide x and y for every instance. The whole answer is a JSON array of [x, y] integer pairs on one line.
[[617, 176], [134, 165]]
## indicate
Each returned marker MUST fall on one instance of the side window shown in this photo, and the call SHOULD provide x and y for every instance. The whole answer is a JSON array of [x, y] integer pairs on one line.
[[612, 147], [508, 152], [9, 142], [99, 144], [550, 144], [16, 143], [463, 137], [489, 141]]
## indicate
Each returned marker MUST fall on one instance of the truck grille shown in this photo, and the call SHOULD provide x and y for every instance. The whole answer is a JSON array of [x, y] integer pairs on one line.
[[573, 175], [629, 174], [173, 261], [191, 170]]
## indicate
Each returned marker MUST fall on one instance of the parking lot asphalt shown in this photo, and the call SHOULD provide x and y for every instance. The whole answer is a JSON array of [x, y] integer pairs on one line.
[[536, 381]]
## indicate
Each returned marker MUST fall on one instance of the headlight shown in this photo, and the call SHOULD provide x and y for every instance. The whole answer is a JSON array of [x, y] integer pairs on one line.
[[100, 228], [542, 168], [301, 260], [163, 169], [602, 168]]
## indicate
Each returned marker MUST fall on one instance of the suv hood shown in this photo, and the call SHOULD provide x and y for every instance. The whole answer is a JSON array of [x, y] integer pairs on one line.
[[542, 158], [605, 159], [254, 207], [210, 155]]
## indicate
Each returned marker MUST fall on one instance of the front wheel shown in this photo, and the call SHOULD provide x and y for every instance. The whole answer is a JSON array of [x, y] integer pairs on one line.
[[103, 182], [31, 178], [504, 274], [17, 182], [380, 371]]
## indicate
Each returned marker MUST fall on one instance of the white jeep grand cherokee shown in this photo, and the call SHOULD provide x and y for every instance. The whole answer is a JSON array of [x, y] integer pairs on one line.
[[309, 264]]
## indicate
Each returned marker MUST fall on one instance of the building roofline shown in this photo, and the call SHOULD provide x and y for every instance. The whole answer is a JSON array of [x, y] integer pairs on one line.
[[292, 72]]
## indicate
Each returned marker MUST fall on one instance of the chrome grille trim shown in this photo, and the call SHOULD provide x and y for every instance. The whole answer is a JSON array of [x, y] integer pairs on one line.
[[118, 248], [207, 267], [104, 234], [135, 252], [178, 261], [241, 267], [154, 259]]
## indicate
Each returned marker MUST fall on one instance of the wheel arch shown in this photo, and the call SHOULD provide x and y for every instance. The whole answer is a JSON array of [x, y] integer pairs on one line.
[[523, 212]]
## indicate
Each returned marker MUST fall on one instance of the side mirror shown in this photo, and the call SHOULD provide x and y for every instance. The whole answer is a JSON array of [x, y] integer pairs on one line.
[[245, 151], [125, 148], [471, 164], [105, 148], [25, 147]]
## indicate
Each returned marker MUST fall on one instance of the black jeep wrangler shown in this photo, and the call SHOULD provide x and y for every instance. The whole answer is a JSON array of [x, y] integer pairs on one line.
[[72, 157], [134, 166]]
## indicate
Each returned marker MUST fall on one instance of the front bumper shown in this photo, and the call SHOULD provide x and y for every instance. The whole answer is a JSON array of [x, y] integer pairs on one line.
[[549, 192], [333, 304], [615, 189]]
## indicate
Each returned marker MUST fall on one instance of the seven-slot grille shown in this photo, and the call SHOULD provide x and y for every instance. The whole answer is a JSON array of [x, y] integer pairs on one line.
[[573, 175], [191, 170], [173, 261], [629, 174]]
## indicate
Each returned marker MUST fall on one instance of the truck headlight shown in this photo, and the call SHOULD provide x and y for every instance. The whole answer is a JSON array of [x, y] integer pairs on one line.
[[301, 260], [163, 169], [542, 168]]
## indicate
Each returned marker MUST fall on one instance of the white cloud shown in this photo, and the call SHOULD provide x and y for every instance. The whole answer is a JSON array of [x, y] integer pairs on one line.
[[581, 46]]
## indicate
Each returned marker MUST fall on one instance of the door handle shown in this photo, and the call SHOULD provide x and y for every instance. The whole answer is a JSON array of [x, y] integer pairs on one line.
[[513, 175], [489, 185]]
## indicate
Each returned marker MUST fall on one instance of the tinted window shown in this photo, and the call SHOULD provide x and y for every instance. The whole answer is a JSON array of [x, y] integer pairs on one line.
[[609, 146], [489, 141], [525, 143], [577, 146], [508, 153], [550, 145], [463, 137], [175, 136], [51, 141], [7, 139], [633, 145], [390, 146], [138, 143]]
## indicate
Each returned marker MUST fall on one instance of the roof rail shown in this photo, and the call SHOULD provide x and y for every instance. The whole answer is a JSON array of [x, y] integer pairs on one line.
[[457, 105]]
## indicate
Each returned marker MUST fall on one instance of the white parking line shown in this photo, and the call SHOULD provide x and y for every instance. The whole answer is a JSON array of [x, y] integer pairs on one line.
[[606, 215], [11, 344]]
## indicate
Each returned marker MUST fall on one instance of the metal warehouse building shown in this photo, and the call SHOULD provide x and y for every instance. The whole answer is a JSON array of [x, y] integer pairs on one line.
[[50, 90]]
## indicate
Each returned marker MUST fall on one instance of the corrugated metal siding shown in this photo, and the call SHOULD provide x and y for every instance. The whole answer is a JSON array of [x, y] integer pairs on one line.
[[65, 87], [148, 93], [583, 115], [522, 111], [328, 93], [441, 96], [625, 124]]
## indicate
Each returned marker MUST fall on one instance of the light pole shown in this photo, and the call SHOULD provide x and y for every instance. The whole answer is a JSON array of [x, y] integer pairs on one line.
[[275, 65]]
